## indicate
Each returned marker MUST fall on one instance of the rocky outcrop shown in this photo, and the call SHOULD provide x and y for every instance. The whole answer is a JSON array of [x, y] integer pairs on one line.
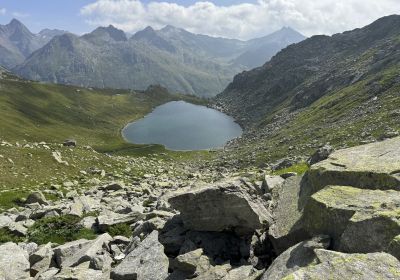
[[358, 220], [371, 166], [226, 205], [296, 257], [14, 264], [147, 261], [333, 265]]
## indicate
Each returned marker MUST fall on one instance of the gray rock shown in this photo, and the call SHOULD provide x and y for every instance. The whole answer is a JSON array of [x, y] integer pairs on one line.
[[69, 143], [300, 255], [36, 197], [287, 228], [147, 261], [14, 264], [41, 260], [358, 220], [333, 265], [271, 182], [104, 221], [114, 186], [229, 204], [68, 250], [81, 272], [320, 154], [88, 251], [371, 166], [48, 275]]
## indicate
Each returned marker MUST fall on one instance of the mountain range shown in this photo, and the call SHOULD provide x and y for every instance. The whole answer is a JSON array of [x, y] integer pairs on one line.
[[106, 58], [17, 42]]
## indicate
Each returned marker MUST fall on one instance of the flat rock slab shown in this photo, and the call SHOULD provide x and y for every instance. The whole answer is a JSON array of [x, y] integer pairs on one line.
[[226, 205], [374, 166], [147, 261], [358, 220], [349, 266]]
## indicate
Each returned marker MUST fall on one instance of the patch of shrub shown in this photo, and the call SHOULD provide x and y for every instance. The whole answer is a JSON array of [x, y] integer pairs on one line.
[[120, 229], [59, 230], [7, 236]]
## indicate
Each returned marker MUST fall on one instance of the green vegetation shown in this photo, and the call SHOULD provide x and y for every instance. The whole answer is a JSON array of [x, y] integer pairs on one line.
[[120, 229], [7, 236], [59, 230], [299, 168]]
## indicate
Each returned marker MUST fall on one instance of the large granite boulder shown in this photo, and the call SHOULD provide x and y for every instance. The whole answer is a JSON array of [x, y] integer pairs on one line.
[[358, 220], [227, 205], [14, 263], [333, 265], [147, 261], [287, 227], [296, 257], [372, 166]]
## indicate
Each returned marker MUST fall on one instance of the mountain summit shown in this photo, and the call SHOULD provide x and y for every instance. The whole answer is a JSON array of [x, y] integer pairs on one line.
[[172, 57]]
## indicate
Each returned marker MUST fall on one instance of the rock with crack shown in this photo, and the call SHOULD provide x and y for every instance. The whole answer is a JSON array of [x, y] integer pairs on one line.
[[372, 166], [14, 263], [226, 205], [394, 247], [89, 251], [41, 260], [147, 261], [333, 265], [271, 182], [287, 227], [300, 255], [68, 250], [358, 220]]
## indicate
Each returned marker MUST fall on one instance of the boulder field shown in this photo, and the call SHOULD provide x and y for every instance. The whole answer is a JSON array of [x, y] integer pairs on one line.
[[340, 220]]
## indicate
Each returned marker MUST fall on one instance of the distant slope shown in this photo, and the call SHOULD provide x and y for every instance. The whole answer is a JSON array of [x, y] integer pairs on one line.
[[172, 57], [45, 112], [17, 42], [342, 89]]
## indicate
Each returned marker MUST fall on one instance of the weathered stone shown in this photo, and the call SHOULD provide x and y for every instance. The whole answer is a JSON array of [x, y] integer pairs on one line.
[[271, 182], [48, 275], [148, 226], [320, 154], [349, 266], [69, 249], [36, 197], [41, 260], [247, 272], [191, 262], [300, 255], [114, 186], [69, 143], [287, 228], [147, 261], [226, 205], [111, 218], [88, 252], [394, 247], [14, 264], [81, 272], [358, 220], [372, 166]]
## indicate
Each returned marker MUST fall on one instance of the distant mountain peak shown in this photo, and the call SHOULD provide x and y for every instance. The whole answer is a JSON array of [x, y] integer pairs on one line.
[[106, 33], [15, 22]]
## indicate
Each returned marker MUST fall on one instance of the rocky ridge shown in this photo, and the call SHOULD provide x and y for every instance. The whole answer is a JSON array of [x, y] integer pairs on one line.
[[338, 220]]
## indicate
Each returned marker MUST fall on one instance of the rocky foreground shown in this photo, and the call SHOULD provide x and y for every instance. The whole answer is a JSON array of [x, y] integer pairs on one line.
[[340, 220]]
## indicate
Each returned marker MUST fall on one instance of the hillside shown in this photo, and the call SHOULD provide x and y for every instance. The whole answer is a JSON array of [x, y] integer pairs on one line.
[[341, 89], [172, 57]]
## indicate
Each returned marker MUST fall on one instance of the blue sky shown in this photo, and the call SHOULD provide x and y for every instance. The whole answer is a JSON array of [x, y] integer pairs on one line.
[[241, 19]]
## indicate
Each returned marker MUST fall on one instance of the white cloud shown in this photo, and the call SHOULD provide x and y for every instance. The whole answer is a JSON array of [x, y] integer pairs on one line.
[[244, 20], [20, 15], [3, 11]]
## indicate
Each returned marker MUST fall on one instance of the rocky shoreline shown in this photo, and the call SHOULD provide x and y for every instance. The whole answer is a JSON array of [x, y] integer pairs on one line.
[[340, 220]]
